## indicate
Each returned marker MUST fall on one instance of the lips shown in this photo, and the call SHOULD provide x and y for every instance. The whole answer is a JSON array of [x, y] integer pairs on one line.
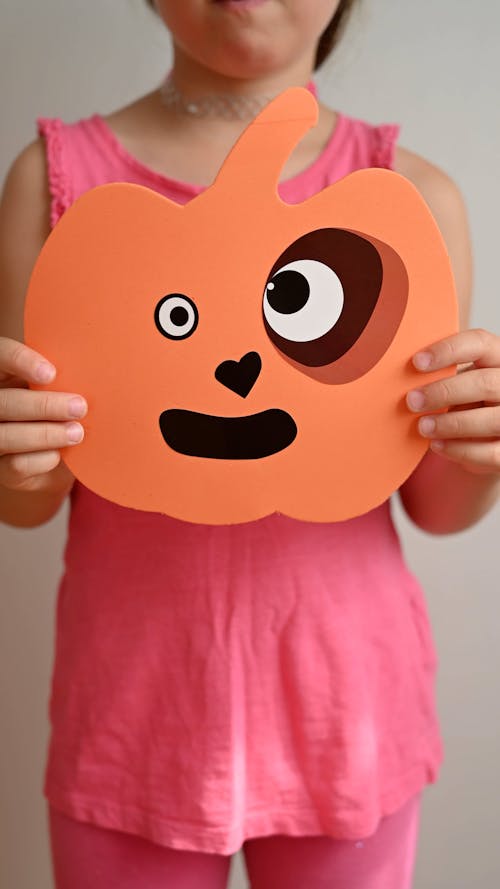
[[227, 438], [240, 4]]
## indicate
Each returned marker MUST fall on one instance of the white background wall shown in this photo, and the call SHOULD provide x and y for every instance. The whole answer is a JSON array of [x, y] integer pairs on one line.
[[432, 66]]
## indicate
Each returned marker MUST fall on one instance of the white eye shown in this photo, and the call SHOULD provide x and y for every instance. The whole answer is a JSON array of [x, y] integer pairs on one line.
[[303, 300], [176, 316]]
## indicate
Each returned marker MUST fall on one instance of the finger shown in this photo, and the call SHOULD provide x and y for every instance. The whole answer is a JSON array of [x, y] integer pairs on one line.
[[24, 437], [467, 388], [479, 456], [26, 404], [470, 346], [23, 471], [21, 361], [482, 422]]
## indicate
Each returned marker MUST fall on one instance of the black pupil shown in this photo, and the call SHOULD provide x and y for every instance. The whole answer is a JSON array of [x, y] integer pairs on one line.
[[179, 316], [289, 293]]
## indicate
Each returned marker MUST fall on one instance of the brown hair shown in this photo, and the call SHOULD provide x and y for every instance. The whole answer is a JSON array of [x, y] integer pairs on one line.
[[332, 33]]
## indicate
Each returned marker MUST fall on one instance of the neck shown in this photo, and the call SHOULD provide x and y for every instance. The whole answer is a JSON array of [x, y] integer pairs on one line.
[[194, 81]]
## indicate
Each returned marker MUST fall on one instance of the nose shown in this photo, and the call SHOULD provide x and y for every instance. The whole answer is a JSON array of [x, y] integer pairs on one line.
[[240, 376]]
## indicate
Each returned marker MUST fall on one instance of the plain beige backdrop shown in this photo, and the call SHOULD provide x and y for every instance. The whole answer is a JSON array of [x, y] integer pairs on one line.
[[433, 66]]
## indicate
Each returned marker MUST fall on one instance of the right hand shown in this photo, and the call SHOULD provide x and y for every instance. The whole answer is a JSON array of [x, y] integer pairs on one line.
[[33, 424]]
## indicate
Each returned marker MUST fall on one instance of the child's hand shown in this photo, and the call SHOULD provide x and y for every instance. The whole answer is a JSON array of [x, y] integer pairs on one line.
[[469, 433], [29, 437]]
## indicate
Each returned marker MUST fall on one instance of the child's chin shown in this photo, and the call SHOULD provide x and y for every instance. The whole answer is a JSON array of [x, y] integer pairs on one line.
[[248, 62]]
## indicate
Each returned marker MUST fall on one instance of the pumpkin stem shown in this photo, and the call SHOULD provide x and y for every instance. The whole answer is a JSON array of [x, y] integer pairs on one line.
[[253, 166]]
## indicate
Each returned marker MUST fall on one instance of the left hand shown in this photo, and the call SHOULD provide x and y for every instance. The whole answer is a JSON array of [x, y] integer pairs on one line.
[[469, 433]]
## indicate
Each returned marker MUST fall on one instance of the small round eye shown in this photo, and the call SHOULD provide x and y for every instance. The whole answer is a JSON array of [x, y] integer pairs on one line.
[[303, 300], [176, 316]]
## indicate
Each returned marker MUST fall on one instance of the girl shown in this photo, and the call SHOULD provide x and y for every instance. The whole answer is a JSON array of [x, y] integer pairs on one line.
[[270, 685]]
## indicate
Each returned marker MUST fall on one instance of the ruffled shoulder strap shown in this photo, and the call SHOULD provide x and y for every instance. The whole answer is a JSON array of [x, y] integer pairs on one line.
[[52, 131], [384, 138]]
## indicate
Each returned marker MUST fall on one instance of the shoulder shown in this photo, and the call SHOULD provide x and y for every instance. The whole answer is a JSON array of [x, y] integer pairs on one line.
[[446, 203], [28, 169], [24, 226], [437, 188], [25, 199]]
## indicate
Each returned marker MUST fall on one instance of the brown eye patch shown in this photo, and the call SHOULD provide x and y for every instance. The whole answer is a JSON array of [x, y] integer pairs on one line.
[[333, 302]]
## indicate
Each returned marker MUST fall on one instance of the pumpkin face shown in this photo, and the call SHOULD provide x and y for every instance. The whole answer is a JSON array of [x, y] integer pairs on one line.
[[240, 355]]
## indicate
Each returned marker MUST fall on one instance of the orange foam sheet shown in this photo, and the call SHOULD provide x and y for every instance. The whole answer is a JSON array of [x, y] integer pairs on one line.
[[239, 355]]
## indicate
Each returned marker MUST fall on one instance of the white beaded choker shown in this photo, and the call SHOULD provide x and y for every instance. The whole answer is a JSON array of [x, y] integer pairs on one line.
[[224, 105]]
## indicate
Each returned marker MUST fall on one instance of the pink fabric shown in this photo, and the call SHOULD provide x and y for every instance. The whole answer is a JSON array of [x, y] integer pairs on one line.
[[214, 684], [88, 857]]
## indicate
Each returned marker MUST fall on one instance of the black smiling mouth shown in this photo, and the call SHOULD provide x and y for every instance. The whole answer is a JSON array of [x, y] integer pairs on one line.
[[228, 438]]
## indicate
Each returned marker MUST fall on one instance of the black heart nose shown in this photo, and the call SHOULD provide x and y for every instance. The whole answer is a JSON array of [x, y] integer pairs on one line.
[[240, 376]]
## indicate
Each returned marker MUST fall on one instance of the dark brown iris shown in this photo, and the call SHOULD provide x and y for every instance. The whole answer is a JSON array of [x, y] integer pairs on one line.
[[356, 263]]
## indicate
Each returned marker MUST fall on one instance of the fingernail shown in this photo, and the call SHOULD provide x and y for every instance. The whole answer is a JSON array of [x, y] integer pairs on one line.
[[45, 372], [415, 400], [426, 425], [74, 432], [422, 360], [437, 445], [77, 407]]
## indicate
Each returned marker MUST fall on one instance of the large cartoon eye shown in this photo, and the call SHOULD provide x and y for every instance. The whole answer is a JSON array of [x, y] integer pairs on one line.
[[303, 300], [321, 294], [176, 316]]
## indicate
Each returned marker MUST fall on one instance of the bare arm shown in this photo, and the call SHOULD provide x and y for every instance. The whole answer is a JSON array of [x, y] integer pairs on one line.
[[33, 480], [449, 492]]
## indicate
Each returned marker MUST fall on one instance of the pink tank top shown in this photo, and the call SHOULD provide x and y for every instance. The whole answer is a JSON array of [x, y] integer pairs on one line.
[[216, 683]]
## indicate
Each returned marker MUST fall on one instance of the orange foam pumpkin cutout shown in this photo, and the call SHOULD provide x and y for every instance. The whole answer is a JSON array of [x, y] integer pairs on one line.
[[240, 355]]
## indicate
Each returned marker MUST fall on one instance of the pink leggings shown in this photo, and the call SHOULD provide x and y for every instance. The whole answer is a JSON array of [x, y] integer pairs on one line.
[[88, 857]]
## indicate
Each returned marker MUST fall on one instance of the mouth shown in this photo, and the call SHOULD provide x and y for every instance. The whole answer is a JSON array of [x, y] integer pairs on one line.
[[228, 438], [239, 4]]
